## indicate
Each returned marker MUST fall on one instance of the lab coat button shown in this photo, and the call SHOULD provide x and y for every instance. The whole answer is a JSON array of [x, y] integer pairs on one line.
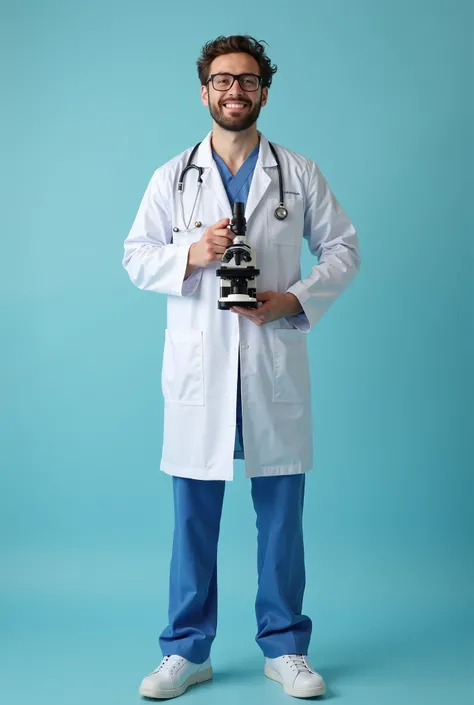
[[244, 347]]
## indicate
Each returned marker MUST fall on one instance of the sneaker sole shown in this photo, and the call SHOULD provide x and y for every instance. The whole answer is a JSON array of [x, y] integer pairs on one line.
[[199, 677], [295, 692]]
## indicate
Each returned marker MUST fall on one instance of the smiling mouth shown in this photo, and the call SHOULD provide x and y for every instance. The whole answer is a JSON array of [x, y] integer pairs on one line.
[[235, 106]]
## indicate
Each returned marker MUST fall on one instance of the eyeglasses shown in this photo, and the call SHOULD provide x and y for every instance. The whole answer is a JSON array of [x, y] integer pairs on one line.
[[224, 81]]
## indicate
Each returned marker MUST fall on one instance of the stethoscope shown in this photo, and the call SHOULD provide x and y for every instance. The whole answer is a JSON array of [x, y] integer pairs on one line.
[[280, 211]]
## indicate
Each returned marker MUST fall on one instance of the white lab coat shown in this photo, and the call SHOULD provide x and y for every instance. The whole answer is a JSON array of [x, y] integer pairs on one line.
[[202, 343]]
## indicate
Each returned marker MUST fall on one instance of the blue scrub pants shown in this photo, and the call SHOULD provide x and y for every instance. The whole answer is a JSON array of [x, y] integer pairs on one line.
[[278, 503]]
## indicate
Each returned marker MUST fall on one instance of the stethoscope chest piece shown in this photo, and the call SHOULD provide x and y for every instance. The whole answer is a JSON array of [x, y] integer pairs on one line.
[[281, 212]]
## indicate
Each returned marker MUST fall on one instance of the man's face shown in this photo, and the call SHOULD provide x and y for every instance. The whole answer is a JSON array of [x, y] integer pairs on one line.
[[234, 119]]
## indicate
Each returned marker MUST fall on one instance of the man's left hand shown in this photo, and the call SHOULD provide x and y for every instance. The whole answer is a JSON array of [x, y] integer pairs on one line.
[[274, 305]]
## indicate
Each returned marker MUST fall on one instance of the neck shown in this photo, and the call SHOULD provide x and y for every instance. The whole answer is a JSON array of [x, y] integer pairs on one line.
[[234, 147]]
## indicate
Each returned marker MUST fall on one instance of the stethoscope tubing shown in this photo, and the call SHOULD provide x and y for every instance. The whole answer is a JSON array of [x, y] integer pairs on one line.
[[280, 213]]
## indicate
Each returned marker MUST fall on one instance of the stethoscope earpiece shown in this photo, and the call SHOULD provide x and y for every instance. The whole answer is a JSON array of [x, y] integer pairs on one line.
[[197, 224]]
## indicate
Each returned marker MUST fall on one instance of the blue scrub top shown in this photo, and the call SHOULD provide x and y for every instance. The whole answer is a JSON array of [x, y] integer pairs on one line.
[[237, 188]]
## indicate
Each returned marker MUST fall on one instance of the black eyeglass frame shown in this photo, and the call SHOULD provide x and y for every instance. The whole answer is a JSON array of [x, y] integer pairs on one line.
[[234, 77]]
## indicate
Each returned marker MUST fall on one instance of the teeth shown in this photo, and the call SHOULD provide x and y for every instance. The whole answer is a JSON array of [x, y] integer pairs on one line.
[[234, 105]]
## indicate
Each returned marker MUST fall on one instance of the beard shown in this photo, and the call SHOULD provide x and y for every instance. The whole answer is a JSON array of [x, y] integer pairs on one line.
[[235, 123]]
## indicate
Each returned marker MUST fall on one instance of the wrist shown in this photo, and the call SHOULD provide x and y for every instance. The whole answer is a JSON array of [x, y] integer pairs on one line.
[[294, 304], [190, 267], [191, 260]]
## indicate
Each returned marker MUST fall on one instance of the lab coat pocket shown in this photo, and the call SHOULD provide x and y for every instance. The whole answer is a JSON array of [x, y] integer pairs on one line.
[[290, 366], [187, 238], [182, 376], [289, 231]]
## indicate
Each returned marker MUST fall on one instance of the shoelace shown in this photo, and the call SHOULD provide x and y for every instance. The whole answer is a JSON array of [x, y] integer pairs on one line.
[[169, 662], [298, 662]]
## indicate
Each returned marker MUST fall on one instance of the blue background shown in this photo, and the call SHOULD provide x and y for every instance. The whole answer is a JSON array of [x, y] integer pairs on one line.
[[96, 96]]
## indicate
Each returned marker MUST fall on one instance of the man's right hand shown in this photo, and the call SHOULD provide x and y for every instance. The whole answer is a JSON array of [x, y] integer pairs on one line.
[[212, 245]]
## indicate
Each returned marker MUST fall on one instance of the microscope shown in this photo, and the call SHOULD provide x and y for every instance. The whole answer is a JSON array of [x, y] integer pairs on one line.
[[238, 272]]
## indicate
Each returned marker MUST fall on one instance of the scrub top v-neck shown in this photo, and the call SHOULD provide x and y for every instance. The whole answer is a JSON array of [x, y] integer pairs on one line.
[[237, 185]]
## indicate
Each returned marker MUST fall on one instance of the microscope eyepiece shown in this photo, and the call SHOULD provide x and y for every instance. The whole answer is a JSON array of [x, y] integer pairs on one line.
[[238, 224]]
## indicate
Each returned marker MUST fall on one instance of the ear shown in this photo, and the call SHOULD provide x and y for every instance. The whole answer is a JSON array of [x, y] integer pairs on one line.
[[264, 96], [204, 95]]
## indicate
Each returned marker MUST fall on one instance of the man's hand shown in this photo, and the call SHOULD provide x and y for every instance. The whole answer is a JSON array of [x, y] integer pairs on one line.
[[212, 245], [275, 305]]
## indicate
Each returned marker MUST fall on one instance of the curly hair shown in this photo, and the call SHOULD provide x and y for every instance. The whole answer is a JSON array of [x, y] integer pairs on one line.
[[233, 44]]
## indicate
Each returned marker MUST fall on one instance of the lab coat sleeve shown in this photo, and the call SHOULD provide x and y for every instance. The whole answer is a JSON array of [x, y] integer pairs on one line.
[[153, 261], [333, 239]]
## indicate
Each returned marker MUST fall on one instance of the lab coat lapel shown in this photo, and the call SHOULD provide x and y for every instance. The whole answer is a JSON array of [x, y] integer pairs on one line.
[[260, 183], [261, 179], [212, 185]]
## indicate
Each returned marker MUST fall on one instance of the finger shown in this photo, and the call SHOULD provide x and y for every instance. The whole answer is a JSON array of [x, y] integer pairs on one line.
[[242, 311], [221, 223], [248, 313], [220, 235], [221, 242]]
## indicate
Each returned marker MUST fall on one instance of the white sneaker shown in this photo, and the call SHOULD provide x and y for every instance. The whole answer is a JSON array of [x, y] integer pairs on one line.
[[173, 676], [296, 675]]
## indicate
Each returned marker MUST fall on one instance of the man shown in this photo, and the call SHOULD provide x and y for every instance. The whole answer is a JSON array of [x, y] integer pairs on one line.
[[238, 376]]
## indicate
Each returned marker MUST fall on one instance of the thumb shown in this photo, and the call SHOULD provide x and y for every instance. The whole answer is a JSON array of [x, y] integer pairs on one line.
[[264, 296]]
